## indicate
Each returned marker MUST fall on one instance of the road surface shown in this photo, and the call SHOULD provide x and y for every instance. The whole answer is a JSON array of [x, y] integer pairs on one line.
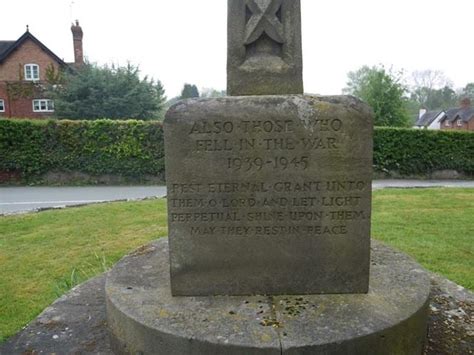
[[24, 199]]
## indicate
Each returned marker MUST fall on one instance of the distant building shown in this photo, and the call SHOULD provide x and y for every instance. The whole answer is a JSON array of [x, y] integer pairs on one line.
[[461, 119], [429, 119], [25, 65]]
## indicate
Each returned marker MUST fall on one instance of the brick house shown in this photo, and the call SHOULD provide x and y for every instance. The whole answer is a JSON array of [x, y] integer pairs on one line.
[[25, 66], [429, 119], [461, 118]]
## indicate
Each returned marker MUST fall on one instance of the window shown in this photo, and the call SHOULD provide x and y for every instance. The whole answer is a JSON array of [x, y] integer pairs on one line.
[[32, 72], [43, 106], [459, 123], [2, 105], [447, 124]]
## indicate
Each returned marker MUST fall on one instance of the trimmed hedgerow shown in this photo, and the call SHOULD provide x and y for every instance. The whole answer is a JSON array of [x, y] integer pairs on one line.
[[127, 148], [134, 149], [420, 152]]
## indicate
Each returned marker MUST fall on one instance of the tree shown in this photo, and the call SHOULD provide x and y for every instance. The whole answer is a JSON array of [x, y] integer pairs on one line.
[[211, 92], [383, 91], [94, 92], [431, 79], [434, 99], [432, 90], [468, 91], [442, 99], [189, 91]]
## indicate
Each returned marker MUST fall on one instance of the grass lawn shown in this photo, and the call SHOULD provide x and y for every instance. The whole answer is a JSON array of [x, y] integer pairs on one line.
[[434, 226], [42, 255]]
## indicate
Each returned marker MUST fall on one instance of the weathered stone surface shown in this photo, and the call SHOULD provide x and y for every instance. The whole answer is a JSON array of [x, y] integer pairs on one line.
[[73, 324], [139, 286], [264, 47], [450, 327], [269, 195], [145, 318]]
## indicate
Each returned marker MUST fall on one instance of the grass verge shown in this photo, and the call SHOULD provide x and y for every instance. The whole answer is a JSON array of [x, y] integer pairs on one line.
[[43, 255], [434, 226]]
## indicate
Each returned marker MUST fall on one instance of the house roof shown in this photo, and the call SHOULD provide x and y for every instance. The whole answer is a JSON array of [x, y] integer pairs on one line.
[[453, 114], [4, 45], [465, 114], [8, 47], [428, 118]]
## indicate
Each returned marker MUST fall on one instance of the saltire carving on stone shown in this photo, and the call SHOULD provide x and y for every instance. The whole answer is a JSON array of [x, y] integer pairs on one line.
[[264, 19], [264, 47]]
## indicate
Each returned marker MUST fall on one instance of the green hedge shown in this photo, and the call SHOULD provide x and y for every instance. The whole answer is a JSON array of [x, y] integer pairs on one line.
[[420, 152], [135, 149], [127, 148]]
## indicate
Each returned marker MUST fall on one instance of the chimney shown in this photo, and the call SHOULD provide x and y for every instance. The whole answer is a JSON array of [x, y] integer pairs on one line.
[[465, 103], [77, 40], [422, 112]]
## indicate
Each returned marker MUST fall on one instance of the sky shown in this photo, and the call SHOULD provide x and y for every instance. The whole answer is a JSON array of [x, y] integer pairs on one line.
[[184, 41]]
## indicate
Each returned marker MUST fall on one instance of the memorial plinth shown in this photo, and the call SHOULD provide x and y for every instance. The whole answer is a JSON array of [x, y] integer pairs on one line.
[[269, 195], [145, 318]]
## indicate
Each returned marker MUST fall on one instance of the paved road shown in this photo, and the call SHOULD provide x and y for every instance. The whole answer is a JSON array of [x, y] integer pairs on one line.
[[383, 184], [23, 199]]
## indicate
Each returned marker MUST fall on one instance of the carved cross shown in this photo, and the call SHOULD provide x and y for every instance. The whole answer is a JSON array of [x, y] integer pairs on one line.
[[264, 19], [264, 55]]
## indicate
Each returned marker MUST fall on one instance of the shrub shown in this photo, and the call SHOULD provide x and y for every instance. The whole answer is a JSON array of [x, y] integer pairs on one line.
[[127, 148], [414, 151], [134, 149]]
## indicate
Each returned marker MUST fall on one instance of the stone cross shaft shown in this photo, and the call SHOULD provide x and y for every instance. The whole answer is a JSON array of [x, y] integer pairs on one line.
[[264, 47], [264, 20]]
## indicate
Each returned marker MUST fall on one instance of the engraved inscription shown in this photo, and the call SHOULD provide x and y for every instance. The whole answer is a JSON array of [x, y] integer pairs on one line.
[[331, 209], [273, 136], [277, 163], [274, 191]]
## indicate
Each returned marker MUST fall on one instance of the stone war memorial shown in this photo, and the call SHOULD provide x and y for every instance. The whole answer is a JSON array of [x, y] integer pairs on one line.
[[269, 212]]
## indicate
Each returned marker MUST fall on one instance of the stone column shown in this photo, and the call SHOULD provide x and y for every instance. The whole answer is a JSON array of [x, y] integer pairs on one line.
[[264, 47]]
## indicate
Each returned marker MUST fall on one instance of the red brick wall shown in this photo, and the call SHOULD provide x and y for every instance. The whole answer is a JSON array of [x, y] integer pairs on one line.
[[3, 95], [458, 128], [27, 53], [20, 108], [443, 125], [23, 108], [469, 126], [12, 69], [463, 127]]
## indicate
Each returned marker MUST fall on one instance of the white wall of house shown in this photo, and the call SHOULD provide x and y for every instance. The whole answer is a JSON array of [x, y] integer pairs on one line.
[[436, 124]]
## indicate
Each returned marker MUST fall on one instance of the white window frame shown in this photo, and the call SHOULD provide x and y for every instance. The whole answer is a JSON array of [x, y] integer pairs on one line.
[[459, 123], [447, 124], [43, 105], [2, 105], [29, 72]]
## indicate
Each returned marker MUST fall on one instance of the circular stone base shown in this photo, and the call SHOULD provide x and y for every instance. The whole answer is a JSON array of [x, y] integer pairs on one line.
[[144, 318]]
